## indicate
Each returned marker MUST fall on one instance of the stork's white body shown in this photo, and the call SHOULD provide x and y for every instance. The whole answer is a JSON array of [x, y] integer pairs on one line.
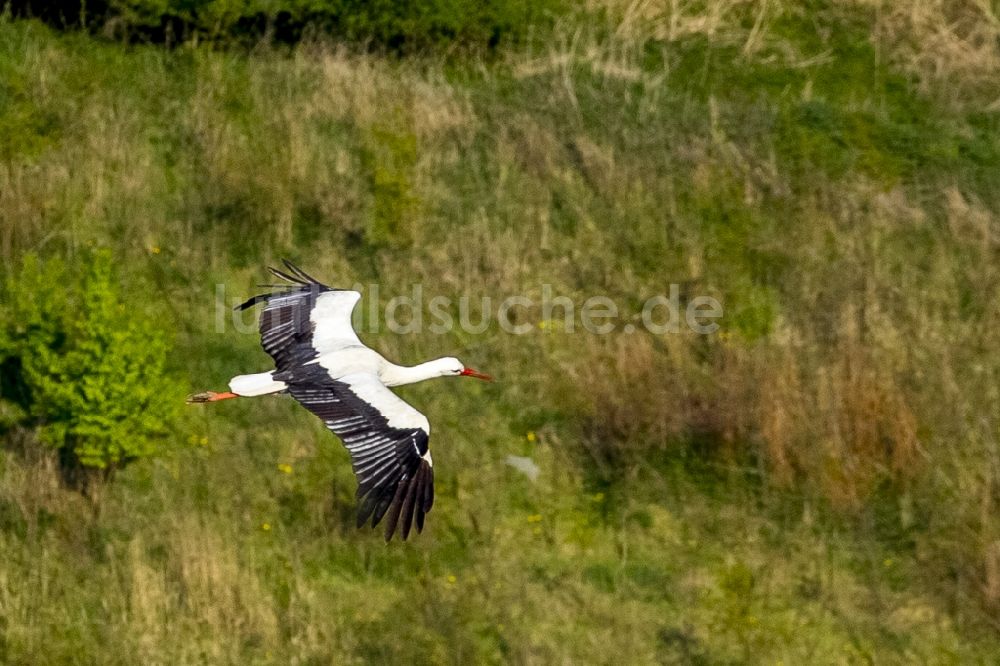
[[346, 358]]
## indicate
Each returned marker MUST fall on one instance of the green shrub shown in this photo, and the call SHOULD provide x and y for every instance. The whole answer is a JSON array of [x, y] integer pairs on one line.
[[80, 366], [391, 24]]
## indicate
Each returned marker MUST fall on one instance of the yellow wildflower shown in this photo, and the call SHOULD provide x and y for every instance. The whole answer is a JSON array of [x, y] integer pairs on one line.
[[537, 518], [285, 468], [530, 436], [266, 527]]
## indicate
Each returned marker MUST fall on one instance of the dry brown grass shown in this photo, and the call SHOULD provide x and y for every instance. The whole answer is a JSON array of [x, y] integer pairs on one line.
[[951, 46], [842, 423], [204, 584], [848, 426]]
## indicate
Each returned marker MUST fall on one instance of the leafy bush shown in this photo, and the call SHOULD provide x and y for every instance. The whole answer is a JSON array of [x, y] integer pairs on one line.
[[389, 24], [80, 366]]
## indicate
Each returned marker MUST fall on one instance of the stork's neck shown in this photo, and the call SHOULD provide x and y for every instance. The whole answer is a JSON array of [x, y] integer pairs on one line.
[[397, 375]]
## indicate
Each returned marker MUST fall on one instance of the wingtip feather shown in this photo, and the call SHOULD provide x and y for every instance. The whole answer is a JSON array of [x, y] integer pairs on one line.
[[284, 276], [392, 518]]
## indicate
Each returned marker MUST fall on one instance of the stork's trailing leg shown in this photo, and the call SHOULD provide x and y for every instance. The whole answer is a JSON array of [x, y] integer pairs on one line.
[[210, 396]]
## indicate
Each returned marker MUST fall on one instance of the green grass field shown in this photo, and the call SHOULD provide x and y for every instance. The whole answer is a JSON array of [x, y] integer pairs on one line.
[[816, 482]]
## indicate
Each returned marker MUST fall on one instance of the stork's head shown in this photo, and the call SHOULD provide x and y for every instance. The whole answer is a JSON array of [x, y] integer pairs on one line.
[[452, 366]]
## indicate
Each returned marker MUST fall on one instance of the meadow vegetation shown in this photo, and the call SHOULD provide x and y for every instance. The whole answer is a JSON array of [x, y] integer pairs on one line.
[[817, 482]]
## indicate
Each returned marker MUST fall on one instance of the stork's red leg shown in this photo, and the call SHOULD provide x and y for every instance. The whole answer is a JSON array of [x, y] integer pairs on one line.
[[210, 396]]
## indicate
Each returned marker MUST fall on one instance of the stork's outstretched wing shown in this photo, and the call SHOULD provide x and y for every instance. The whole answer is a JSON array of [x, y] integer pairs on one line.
[[387, 440], [304, 319]]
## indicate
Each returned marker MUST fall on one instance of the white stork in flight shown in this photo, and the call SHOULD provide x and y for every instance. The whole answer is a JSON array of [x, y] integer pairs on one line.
[[306, 328]]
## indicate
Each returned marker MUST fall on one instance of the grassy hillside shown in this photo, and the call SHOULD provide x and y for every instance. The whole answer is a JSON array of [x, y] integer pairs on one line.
[[816, 482]]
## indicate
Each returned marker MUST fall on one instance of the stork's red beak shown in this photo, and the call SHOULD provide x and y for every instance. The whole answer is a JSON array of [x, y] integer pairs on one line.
[[469, 372]]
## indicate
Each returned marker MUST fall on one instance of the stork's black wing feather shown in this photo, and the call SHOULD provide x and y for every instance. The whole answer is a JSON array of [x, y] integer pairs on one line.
[[299, 282], [392, 463], [285, 326]]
